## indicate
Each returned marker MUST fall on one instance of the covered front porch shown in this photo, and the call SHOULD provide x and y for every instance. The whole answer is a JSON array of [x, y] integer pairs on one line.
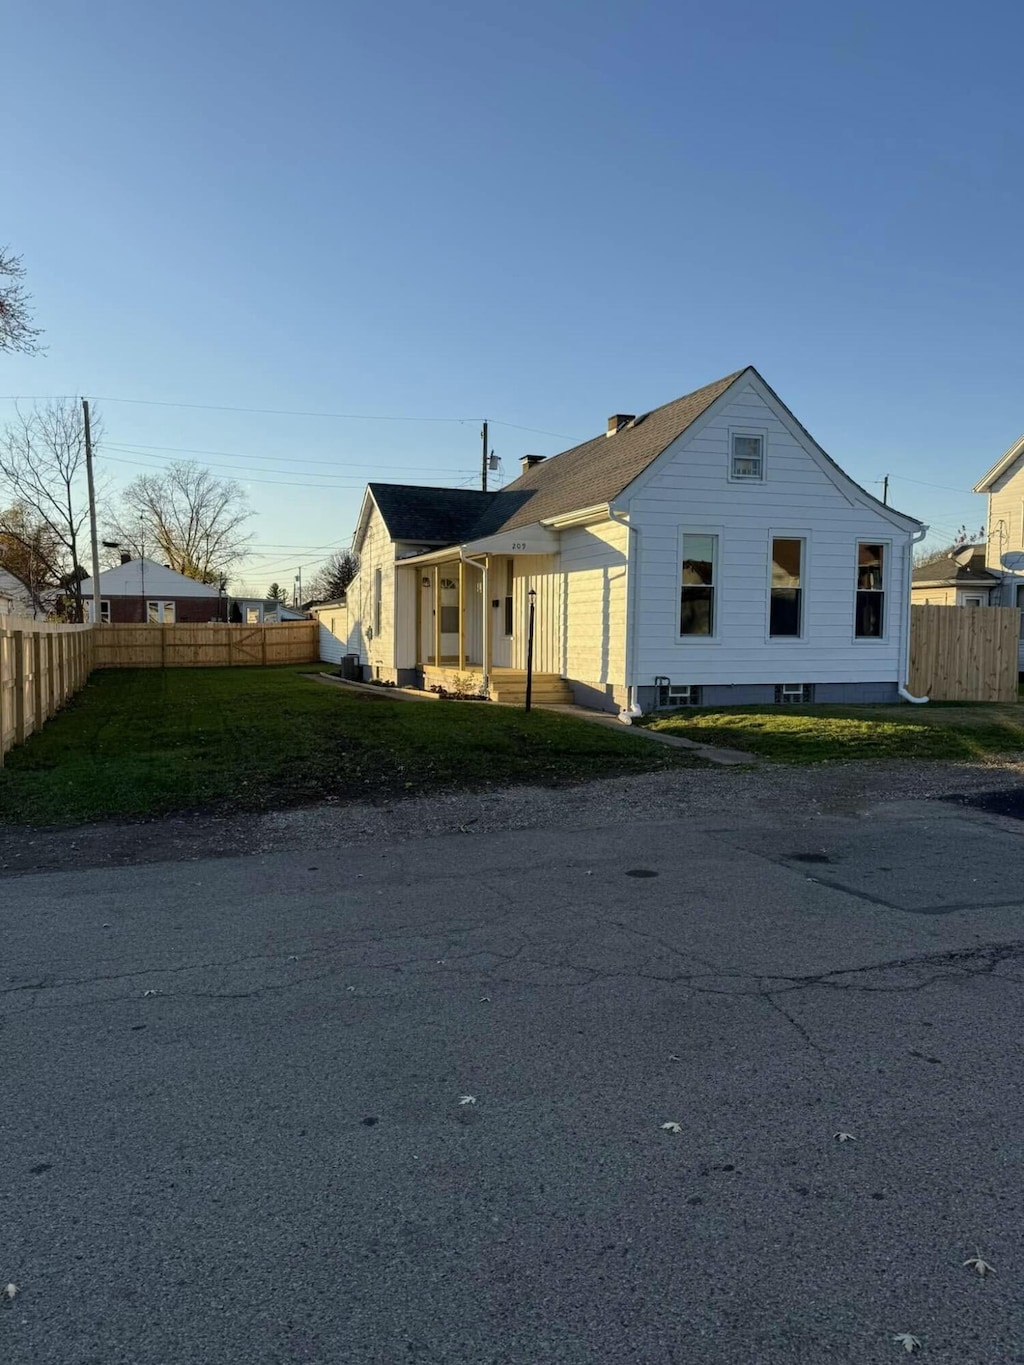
[[472, 608]]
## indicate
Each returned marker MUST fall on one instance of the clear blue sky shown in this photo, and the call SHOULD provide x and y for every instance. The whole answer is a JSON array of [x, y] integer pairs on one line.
[[540, 213]]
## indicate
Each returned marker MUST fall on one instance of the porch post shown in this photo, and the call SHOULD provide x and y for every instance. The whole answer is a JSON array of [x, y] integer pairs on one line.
[[487, 623], [462, 615], [437, 616], [417, 661]]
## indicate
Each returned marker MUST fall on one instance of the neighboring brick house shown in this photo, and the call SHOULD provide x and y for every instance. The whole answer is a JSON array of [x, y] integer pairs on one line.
[[140, 590]]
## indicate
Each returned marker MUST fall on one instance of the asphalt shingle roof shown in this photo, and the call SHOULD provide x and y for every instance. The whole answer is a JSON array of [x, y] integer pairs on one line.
[[432, 516], [586, 475], [947, 569]]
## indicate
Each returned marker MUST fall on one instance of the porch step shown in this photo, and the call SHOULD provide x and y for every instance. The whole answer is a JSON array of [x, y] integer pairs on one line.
[[549, 689]]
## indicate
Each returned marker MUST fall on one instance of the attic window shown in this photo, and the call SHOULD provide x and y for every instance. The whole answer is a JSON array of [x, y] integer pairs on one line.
[[747, 457]]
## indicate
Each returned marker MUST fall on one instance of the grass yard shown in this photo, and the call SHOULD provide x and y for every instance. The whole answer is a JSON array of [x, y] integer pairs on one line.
[[149, 742], [821, 734]]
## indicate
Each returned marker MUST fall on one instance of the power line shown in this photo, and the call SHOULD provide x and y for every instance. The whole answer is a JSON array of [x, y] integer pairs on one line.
[[340, 483], [138, 446], [282, 412]]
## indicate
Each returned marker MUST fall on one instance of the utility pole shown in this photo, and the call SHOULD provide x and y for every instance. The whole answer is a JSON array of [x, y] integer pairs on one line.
[[92, 515], [885, 490], [483, 462]]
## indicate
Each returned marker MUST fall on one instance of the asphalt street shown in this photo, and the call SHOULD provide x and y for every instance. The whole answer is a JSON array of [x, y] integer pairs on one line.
[[406, 1101]]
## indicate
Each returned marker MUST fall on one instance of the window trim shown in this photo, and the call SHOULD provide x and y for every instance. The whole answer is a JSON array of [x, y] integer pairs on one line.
[[887, 557], [695, 641], [762, 434], [104, 611], [804, 537]]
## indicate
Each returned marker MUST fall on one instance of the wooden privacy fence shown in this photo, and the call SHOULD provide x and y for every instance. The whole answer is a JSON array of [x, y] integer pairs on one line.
[[205, 646], [41, 667], [964, 653]]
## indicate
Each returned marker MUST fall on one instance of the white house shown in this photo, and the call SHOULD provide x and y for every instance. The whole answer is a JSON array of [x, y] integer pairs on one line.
[[707, 552], [15, 597], [332, 619]]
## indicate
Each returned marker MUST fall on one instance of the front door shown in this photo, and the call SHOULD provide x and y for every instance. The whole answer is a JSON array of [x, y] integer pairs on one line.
[[448, 604]]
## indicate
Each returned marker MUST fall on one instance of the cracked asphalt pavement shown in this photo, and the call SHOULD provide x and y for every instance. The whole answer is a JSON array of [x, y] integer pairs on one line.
[[231, 1129]]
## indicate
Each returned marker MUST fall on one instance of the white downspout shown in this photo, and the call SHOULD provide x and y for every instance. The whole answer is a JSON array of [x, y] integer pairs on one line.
[[485, 653], [632, 709], [907, 586]]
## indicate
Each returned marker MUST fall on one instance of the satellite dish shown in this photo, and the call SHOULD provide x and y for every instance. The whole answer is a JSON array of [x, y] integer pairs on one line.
[[1013, 560]]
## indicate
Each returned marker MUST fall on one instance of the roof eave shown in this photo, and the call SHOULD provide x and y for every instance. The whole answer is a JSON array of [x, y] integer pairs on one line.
[[1001, 466]]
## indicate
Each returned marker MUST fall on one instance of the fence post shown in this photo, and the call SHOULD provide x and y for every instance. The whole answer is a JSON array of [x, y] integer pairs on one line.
[[19, 687], [37, 680], [3, 694]]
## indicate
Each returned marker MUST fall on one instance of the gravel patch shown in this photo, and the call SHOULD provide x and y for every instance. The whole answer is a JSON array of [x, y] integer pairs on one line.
[[699, 794]]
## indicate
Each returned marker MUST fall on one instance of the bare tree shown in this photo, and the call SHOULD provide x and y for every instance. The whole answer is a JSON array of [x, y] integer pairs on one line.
[[42, 470], [16, 330], [333, 579], [194, 520]]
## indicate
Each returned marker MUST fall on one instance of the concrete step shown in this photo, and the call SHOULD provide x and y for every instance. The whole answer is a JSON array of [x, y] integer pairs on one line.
[[554, 696]]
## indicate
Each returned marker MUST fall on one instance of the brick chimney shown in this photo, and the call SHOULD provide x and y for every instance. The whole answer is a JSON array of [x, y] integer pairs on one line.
[[528, 461], [618, 420], [125, 557]]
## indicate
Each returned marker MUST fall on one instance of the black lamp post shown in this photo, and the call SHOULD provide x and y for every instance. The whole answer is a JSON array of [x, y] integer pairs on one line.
[[529, 649]]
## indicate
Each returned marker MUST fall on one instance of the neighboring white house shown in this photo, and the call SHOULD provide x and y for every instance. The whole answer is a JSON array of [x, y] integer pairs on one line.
[[706, 552], [956, 578], [1004, 553], [15, 598]]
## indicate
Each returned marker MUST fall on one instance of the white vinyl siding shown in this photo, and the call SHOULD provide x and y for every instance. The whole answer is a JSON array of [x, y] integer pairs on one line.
[[593, 562], [691, 487], [372, 634], [541, 573]]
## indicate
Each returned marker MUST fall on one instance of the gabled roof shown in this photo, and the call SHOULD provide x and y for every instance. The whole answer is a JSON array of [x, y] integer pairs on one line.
[[1001, 466], [600, 469], [592, 474], [949, 569], [146, 575], [431, 516]]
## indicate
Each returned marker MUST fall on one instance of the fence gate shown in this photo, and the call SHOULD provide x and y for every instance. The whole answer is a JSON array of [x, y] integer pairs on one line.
[[248, 646]]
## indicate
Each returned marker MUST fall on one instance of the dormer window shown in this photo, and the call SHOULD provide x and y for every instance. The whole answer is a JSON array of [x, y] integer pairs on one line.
[[747, 457]]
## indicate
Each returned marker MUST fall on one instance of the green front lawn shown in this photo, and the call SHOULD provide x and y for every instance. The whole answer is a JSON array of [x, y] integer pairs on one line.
[[819, 734], [148, 742]]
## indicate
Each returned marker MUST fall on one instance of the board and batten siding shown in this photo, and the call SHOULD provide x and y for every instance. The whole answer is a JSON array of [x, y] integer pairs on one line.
[[690, 489], [542, 573], [594, 564]]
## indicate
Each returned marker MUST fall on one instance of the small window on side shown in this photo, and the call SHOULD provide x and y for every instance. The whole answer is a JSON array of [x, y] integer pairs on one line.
[[747, 457]]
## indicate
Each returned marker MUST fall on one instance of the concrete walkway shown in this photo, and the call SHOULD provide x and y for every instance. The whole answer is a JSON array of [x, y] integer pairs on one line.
[[726, 758]]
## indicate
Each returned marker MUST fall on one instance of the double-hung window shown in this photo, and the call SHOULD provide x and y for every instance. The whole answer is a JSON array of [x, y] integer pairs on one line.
[[747, 457], [786, 611], [697, 611], [869, 616]]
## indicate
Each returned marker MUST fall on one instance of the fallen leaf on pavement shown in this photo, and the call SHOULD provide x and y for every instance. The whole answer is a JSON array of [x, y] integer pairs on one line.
[[908, 1342], [467, 1099], [672, 1127], [844, 1137], [10, 1290], [976, 1263]]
